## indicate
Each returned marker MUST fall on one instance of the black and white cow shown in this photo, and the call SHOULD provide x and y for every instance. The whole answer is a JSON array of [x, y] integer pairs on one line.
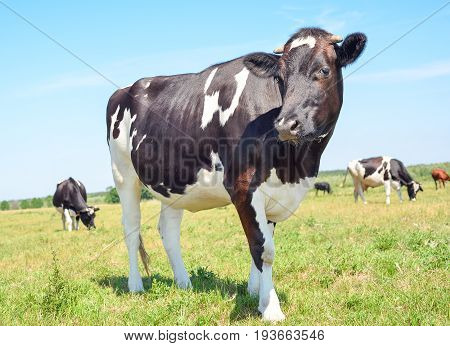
[[381, 170], [70, 199], [250, 132]]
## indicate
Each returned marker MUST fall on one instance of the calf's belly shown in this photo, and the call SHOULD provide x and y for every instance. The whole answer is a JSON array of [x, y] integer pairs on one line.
[[207, 193], [282, 200]]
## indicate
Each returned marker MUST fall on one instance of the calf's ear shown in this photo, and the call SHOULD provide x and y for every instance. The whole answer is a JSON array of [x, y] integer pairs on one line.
[[351, 48], [262, 64]]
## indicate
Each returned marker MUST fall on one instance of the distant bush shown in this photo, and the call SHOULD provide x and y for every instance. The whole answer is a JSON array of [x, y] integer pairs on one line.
[[4, 205], [36, 203], [423, 172], [14, 205], [48, 201], [24, 204], [111, 195], [145, 194]]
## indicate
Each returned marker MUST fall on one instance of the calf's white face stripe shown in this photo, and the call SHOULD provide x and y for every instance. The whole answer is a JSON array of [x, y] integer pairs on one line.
[[310, 41], [211, 103]]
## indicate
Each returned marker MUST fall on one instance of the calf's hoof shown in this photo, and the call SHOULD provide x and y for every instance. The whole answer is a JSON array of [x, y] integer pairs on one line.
[[253, 290], [135, 285], [184, 283], [272, 314]]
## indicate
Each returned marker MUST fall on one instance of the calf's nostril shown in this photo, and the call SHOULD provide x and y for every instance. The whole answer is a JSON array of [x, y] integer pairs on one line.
[[295, 125]]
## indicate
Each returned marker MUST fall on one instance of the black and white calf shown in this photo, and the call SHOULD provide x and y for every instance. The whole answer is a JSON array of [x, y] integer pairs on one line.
[[70, 199], [382, 170], [250, 132]]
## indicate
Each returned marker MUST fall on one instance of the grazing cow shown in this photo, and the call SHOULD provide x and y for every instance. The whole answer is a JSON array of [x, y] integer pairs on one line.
[[250, 132], [382, 170], [440, 175], [70, 200], [322, 186]]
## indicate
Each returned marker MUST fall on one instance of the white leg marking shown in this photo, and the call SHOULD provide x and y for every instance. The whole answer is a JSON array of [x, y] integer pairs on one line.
[[358, 191], [68, 219], [399, 192], [253, 280], [387, 188], [269, 305], [129, 189], [74, 222], [396, 186], [169, 230]]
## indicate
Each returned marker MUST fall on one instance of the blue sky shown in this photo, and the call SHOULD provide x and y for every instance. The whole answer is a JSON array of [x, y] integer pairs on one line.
[[53, 106]]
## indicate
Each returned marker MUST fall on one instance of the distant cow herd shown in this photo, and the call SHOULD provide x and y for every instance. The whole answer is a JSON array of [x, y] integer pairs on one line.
[[248, 132]]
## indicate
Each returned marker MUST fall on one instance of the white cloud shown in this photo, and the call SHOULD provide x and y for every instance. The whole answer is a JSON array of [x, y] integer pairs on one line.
[[432, 70]]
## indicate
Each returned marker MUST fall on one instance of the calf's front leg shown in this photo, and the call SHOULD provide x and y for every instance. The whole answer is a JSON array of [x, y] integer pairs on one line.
[[251, 210]]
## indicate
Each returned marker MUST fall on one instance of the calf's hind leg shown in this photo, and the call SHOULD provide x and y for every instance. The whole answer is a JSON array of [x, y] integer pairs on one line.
[[129, 190], [169, 229]]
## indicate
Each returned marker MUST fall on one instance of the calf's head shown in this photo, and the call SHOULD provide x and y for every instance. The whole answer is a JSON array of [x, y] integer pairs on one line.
[[87, 216], [413, 189], [310, 78]]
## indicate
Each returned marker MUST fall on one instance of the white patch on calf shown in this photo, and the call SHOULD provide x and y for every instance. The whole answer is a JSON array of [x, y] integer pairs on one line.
[[310, 41], [210, 106], [123, 140], [206, 193], [241, 80], [416, 187], [131, 139], [211, 103], [113, 121], [209, 79], [140, 142], [283, 199]]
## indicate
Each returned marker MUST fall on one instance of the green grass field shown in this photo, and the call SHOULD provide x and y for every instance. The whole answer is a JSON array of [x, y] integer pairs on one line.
[[337, 263]]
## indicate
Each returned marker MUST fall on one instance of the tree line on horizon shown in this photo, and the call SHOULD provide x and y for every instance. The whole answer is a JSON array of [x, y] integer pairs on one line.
[[110, 196]]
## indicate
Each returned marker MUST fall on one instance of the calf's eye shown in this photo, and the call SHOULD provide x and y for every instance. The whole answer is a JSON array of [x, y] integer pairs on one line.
[[324, 71]]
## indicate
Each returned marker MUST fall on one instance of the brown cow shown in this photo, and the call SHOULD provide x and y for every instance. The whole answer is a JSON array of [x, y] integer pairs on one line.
[[440, 175]]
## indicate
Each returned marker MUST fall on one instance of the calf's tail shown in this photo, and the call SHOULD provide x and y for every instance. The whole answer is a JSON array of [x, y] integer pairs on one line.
[[144, 255], [345, 177]]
